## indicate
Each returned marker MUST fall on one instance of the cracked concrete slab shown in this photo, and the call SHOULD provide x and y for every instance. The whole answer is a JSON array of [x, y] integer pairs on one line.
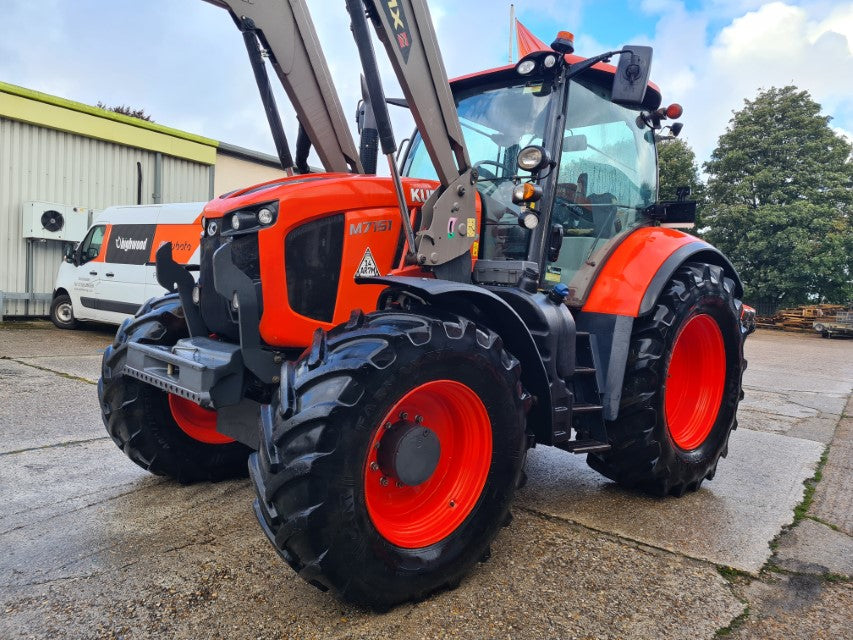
[[41, 338], [39, 485], [796, 607], [812, 547], [48, 409], [833, 498], [212, 569], [85, 367], [729, 521]]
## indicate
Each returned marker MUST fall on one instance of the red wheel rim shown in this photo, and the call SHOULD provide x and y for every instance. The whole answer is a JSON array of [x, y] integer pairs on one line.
[[196, 421], [695, 381], [414, 517]]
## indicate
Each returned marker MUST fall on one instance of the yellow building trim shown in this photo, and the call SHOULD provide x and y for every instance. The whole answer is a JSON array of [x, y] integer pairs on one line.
[[18, 103]]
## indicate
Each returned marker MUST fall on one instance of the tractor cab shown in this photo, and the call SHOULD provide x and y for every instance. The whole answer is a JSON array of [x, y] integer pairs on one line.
[[596, 176]]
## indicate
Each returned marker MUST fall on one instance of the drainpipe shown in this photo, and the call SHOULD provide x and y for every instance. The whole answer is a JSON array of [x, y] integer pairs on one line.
[[157, 196]]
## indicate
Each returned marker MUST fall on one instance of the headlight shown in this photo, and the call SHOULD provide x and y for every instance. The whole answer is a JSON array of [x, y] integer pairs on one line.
[[533, 158], [525, 66], [528, 219], [241, 220], [250, 219]]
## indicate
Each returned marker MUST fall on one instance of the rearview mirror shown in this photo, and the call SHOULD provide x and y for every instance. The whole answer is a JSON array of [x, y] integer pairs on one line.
[[69, 253], [632, 76], [574, 143]]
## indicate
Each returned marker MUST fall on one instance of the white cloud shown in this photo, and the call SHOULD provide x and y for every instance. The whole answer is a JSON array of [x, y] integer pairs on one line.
[[776, 45]]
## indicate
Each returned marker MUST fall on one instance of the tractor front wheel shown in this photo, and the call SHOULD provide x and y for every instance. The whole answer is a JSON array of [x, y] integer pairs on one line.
[[390, 455], [682, 387], [163, 433]]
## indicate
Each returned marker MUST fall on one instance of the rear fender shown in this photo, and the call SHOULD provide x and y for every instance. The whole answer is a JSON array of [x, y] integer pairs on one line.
[[635, 273], [484, 307], [629, 285]]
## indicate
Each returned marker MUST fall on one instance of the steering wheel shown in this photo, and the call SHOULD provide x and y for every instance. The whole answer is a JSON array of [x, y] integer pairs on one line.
[[570, 214], [490, 175], [492, 178]]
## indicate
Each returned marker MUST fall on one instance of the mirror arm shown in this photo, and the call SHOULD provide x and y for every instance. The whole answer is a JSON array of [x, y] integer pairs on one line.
[[580, 67]]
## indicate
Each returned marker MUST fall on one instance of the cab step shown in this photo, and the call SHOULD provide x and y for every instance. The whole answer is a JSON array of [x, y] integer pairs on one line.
[[584, 446]]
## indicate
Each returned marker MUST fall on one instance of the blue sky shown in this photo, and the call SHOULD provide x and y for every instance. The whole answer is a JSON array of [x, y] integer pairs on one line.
[[184, 62]]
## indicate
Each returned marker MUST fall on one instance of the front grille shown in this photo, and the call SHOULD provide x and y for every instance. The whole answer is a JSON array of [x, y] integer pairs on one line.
[[215, 310], [244, 252], [313, 253]]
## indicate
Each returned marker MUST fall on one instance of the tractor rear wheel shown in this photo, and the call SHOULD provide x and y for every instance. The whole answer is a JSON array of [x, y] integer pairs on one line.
[[389, 456], [682, 387], [162, 433]]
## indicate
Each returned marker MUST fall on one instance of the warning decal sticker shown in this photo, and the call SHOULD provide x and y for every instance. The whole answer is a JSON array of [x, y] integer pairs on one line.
[[367, 268]]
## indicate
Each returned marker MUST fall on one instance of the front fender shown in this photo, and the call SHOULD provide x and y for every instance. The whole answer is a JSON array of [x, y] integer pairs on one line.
[[484, 307]]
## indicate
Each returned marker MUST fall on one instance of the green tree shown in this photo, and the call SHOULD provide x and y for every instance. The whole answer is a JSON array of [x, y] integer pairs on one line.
[[779, 200], [126, 111], [677, 168]]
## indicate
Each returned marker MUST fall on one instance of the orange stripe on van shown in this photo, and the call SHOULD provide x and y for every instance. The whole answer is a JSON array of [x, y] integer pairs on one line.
[[104, 243], [185, 239]]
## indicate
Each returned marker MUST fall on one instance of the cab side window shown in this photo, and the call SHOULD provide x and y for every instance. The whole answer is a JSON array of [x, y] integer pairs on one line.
[[91, 246]]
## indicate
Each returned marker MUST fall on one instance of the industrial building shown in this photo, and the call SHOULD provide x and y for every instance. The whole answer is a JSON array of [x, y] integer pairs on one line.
[[61, 162]]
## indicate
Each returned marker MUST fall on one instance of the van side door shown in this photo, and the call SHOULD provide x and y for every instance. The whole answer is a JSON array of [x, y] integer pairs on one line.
[[123, 286]]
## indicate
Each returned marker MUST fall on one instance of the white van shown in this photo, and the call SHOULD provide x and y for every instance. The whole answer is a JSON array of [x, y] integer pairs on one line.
[[111, 273]]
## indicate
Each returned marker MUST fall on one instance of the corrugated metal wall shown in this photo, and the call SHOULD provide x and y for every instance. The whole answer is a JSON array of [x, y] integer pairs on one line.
[[53, 166]]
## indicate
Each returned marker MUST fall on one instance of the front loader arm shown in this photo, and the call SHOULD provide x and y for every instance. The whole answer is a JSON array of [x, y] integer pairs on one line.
[[449, 216], [287, 32]]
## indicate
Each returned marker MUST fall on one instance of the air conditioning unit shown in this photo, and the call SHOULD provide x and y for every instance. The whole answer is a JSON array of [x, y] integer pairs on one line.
[[52, 221]]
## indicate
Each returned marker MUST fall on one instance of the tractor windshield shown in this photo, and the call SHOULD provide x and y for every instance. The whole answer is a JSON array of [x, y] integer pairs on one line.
[[607, 177], [497, 122]]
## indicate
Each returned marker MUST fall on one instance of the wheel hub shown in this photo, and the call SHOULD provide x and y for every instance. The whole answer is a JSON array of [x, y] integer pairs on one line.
[[63, 311], [409, 453]]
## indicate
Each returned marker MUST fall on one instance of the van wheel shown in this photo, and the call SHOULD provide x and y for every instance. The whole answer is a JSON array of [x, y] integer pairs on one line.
[[162, 433], [62, 312]]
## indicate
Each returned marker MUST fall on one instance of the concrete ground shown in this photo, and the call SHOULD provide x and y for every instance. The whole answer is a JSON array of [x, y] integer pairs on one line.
[[94, 547]]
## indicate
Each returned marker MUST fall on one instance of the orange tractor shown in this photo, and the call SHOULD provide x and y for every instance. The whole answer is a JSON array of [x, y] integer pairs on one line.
[[383, 351]]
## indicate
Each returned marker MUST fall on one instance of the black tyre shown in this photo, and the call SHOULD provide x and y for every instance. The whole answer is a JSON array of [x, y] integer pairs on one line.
[[62, 312], [152, 427], [351, 489], [682, 387]]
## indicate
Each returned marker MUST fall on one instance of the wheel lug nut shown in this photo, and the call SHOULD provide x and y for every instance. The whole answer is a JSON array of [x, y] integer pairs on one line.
[[404, 415], [400, 485], [383, 481], [419, 419], [387, 425], [374, 466]]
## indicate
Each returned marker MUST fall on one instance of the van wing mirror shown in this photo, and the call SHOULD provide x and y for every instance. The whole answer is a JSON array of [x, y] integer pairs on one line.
[[632, 76], [69, 253]]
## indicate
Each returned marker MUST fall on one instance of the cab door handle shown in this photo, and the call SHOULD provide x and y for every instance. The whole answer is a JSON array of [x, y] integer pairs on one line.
[[93, 273], [110, 275]]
